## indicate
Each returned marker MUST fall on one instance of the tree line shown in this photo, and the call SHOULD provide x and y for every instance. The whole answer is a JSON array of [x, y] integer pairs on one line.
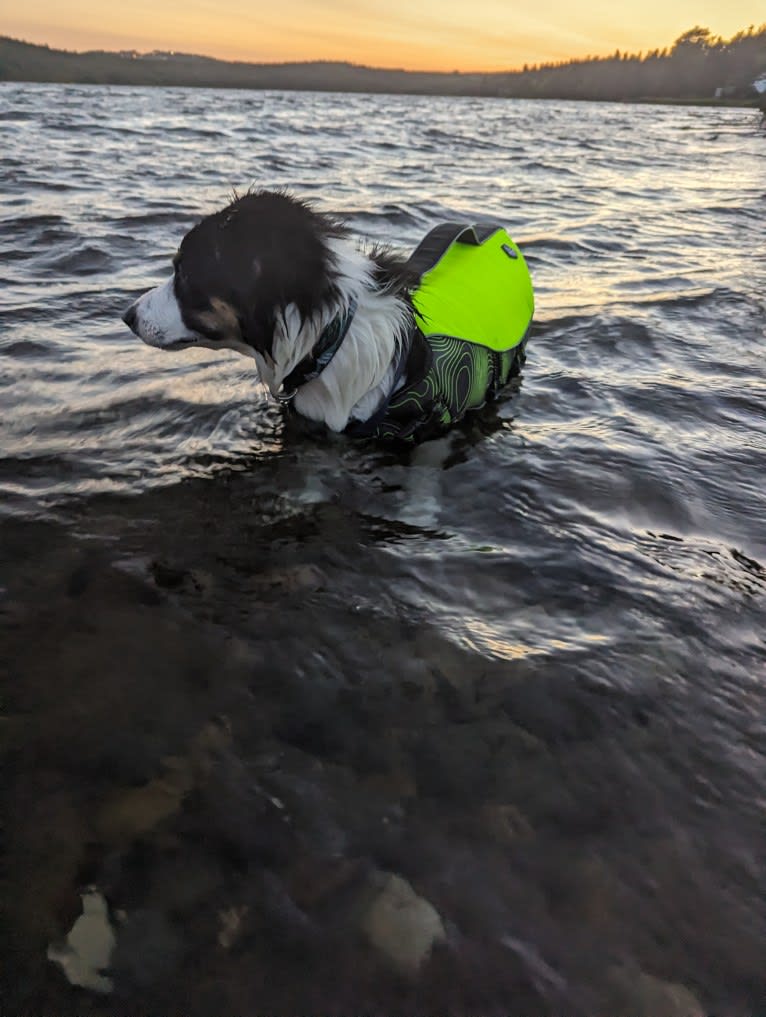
[[698, 66]]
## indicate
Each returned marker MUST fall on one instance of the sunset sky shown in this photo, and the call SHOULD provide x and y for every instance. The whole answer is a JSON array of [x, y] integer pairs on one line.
[[415, 34]]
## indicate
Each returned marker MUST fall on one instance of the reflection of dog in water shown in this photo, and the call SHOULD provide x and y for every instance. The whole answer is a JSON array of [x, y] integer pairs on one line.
[[362, 342]]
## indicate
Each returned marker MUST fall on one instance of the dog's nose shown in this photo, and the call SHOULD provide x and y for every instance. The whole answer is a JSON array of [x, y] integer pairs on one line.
[[130, 317]]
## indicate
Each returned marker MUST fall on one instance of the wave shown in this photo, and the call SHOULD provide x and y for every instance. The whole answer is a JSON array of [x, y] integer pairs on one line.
[[85, 259]]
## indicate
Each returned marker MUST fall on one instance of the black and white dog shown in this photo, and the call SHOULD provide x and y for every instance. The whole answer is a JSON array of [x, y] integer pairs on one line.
[[265, 277], [331, 328]]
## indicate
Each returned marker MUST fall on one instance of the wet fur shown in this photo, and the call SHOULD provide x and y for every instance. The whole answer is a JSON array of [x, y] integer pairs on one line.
[[264, 276]]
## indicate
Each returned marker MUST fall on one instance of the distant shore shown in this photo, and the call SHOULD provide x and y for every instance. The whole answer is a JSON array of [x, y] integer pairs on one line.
[[612, 79]]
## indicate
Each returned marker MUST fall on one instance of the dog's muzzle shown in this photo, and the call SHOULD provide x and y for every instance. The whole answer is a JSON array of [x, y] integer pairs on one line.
[[156, 318]]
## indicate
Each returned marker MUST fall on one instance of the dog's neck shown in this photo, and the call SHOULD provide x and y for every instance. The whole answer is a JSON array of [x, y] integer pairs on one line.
[[362, 371]]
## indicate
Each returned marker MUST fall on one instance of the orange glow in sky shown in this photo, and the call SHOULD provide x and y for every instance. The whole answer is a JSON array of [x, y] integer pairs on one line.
[[415, 34]]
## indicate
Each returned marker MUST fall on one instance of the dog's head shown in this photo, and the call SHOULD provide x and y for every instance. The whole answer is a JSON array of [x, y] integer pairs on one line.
[[239, 275]]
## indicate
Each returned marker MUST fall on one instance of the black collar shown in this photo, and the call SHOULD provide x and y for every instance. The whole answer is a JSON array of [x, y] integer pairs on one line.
[[327, 345]]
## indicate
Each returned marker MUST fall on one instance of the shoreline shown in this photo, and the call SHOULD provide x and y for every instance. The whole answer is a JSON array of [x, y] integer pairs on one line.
[[728, 103]]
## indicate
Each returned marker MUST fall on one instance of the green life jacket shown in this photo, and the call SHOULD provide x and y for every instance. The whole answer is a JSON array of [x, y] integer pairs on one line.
[[473, 305]]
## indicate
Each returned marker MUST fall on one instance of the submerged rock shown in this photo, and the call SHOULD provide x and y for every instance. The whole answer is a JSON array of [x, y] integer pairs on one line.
[[230, 925], [87, 950], [401, 925], [135, 812], [149, 948], [132, 813], [505, 824], [634, 993]]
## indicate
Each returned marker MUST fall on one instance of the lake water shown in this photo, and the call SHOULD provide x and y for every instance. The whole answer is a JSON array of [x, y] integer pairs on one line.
[[250, 672]]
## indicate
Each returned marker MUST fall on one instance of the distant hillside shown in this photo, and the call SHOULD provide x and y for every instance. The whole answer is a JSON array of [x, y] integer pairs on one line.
[[21, 61], [699, 67]]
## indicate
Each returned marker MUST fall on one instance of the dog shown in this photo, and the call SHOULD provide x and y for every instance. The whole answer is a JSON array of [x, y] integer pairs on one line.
[[354, 340]]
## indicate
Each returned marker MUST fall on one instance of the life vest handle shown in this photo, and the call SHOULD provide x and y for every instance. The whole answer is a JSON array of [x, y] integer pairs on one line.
[[434, 244]]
